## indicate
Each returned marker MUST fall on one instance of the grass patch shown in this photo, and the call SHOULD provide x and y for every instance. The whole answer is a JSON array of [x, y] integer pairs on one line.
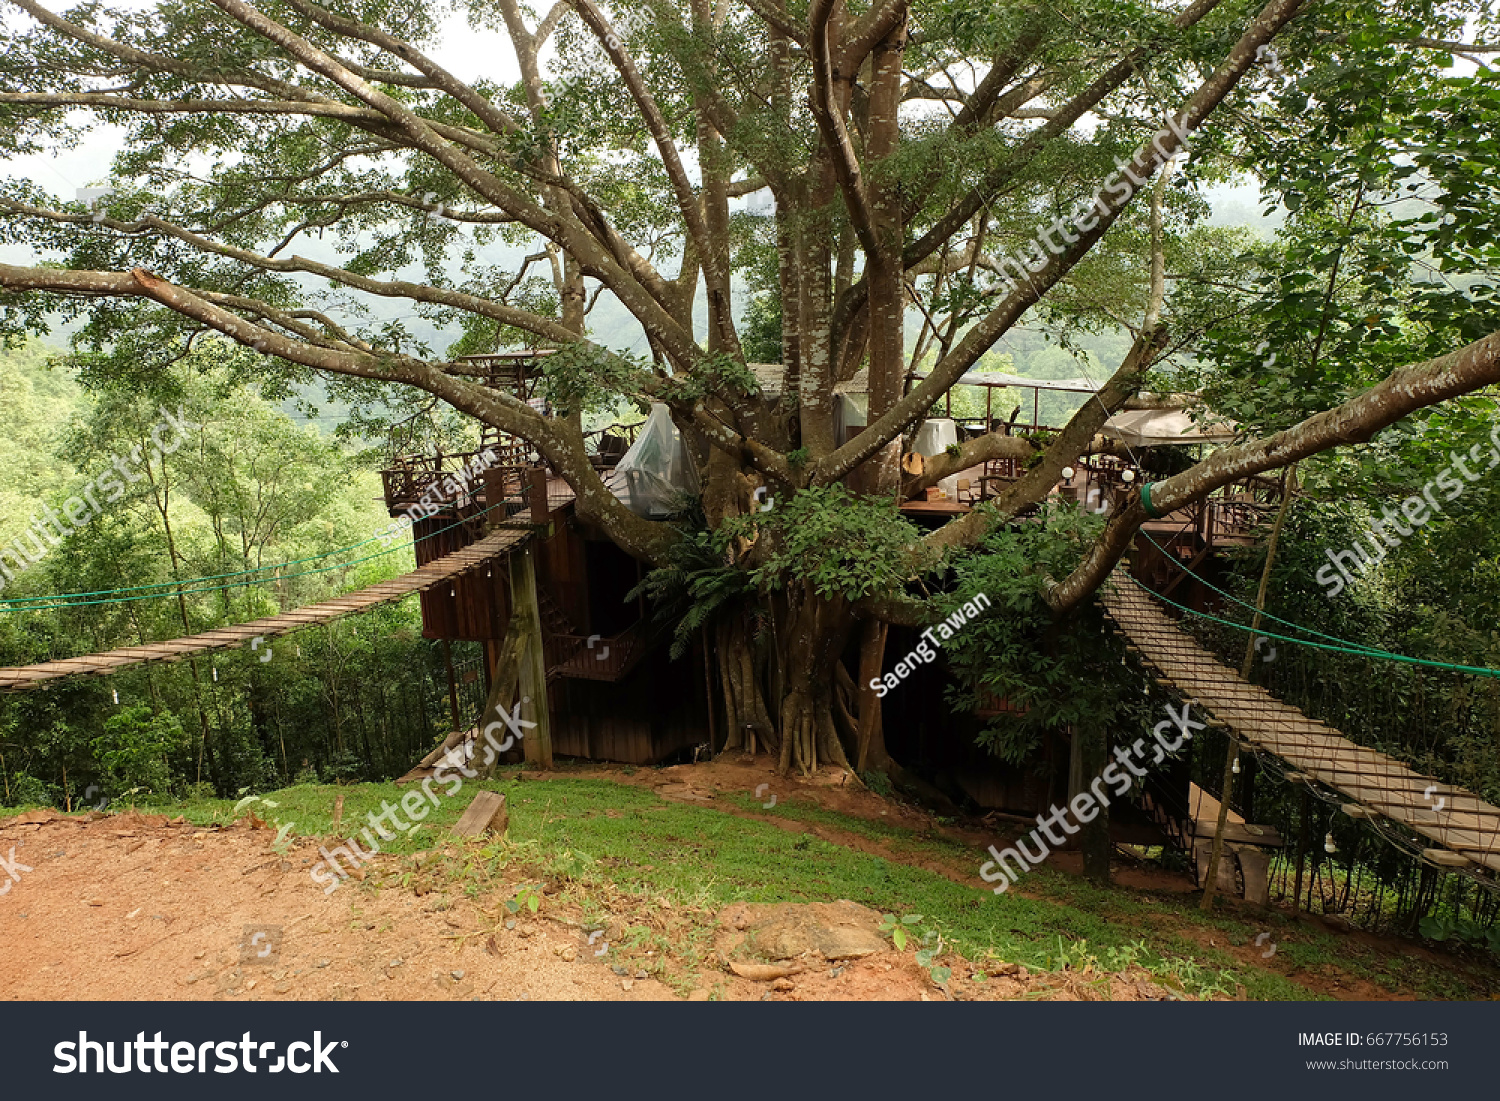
[[596, 840]]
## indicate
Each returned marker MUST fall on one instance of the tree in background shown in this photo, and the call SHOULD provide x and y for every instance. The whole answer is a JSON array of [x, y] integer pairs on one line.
[[248, 497]]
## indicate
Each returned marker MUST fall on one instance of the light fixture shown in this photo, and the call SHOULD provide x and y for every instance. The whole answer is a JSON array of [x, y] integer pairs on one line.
[[1067, 473], [1127, 476], [116, 693], [1236, 768], [1328, 845]]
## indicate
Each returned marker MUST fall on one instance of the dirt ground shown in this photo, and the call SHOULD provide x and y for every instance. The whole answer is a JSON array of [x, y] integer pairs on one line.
[[139, 907]]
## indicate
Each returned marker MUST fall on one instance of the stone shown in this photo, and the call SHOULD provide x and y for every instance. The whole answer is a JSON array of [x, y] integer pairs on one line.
[[848, 943]]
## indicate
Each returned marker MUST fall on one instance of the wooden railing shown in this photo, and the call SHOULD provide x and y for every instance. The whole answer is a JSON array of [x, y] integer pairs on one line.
[[594, 657]]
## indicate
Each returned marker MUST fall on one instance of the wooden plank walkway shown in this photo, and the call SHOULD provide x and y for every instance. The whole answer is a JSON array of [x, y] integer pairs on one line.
[[1381, 785], [472, 557]]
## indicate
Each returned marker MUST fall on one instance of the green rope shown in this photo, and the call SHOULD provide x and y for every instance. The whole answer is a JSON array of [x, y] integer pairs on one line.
[[1482, 671], [1146, 502], [1372, 651], [64, 600]]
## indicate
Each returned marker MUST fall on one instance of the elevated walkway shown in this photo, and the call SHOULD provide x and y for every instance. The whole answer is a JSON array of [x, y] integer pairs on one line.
[[1464, 829]]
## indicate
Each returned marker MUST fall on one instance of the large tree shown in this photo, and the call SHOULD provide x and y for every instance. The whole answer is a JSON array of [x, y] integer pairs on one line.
[[927, 159]]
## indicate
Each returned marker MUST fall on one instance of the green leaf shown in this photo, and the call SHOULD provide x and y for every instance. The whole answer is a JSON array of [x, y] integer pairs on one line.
[[941, 975], [899, 936]]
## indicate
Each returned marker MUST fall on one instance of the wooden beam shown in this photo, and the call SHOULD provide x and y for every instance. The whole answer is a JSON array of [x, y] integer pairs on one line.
[[486, 814], [525, 609]]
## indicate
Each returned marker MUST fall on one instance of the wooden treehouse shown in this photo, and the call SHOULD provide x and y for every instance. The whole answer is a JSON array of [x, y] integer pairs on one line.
[[566, 585]]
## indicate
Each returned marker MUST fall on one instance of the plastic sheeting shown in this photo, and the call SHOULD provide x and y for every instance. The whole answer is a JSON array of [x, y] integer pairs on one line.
[[849, 411], [655, 477], [934, 438]]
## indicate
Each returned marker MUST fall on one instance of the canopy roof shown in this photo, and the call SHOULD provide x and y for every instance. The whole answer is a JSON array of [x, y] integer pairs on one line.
[[1159, 427], [999, 378]]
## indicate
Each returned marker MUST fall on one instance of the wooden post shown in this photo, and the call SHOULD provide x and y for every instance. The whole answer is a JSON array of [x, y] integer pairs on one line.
[[708, 689], [541, 513], [452, 683], [1288, 484], [524, 608], [494, 497]]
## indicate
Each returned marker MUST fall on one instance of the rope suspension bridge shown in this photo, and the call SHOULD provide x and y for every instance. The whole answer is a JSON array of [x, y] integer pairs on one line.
[[1464, 829], [473, 557]]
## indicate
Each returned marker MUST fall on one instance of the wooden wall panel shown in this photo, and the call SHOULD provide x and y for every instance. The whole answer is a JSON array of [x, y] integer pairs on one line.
[[626, 722]]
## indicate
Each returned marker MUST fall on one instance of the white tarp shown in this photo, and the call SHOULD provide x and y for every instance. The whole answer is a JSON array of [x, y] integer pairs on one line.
[[655, 477], [934, 438], [849, 411], [1159, 427]]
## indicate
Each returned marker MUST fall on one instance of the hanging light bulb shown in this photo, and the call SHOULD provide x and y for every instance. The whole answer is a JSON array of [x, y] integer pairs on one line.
[[1236, 768], [1127, 476], [1328, 845], [216, 674], [116, 693]]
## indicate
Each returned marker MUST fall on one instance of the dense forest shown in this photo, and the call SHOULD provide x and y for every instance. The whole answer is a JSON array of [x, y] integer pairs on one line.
[[252, 513]]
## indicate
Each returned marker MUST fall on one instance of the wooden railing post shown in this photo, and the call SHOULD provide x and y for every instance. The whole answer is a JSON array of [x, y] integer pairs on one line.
[[541, 513]]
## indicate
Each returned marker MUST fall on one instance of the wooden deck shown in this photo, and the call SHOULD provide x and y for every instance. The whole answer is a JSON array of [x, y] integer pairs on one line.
[[1465, 831], [472, 557]]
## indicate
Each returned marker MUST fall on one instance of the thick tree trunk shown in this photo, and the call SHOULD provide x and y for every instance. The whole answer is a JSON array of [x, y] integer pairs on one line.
[[809, 653], [747, 722]]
